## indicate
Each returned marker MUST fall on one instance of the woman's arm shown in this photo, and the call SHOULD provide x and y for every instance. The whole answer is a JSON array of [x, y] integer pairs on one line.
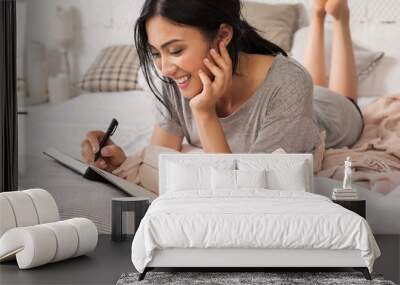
[[211, 134], [163, 138], [203, 106]]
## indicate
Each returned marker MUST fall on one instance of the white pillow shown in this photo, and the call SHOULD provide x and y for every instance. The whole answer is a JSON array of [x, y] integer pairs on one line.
[[227, 179], [223, 179], [184, 175], [365, 59], [251, 178], [183, 178], [293, 180], [281, 174]]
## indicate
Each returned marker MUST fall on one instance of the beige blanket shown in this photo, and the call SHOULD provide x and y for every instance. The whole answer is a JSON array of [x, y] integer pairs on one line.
[[376, 155]]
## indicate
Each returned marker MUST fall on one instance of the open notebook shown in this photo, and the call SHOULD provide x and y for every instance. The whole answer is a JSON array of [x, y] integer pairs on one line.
[[81, 168]]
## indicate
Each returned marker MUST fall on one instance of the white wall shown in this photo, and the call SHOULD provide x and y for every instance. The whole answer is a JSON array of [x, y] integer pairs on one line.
[[99, 23]]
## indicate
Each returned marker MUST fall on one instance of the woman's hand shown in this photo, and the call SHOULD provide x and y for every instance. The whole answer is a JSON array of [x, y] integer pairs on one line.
[[221, 68], [112, 156]]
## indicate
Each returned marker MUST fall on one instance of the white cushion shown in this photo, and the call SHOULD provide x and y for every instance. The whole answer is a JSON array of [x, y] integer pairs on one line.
[[183, 177], [45, 205], [67, 237], [251, 178], [7, 215], [26, 208], [283, 174], [286, 165], [226, 179], [87, 233], [40, 244], [186, 175], [365, 59], [23, 208], [31, 246], [223, 179]]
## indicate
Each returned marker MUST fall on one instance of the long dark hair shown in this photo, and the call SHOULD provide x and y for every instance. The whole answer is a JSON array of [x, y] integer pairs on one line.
[[206, 15]]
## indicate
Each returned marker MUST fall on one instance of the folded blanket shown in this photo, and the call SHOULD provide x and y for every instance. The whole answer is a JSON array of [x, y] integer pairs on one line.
[[376, 155]]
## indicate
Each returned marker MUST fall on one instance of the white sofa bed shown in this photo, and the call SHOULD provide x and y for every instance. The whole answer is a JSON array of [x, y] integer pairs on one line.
[[247, 210]]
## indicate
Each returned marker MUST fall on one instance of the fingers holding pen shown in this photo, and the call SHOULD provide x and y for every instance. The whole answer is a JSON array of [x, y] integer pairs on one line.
[[87, 151], [91, 145]]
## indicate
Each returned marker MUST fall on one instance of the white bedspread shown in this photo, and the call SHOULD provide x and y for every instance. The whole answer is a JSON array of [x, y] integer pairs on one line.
[[250, 219]]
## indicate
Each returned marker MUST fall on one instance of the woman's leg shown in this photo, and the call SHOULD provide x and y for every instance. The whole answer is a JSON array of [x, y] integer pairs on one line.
[[343, 75], [314, 58]]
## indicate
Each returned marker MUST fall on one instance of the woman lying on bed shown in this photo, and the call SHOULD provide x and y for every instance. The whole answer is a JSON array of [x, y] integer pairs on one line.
[[226, 89]]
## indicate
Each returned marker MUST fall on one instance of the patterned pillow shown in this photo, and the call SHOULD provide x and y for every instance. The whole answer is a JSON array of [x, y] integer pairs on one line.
[[115, 69]]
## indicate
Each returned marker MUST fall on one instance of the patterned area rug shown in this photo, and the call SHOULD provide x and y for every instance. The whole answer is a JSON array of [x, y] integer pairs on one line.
[[243, 278]]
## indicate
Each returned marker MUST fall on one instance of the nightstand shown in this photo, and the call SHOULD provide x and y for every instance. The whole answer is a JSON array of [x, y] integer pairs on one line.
[[357, 206], [121, 206]]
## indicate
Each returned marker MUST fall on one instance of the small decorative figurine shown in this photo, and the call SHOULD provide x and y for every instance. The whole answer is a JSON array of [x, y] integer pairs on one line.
[[347, 174]]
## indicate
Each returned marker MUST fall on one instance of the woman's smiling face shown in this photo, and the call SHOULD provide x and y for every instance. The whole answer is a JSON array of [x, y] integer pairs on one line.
[[178, 53]]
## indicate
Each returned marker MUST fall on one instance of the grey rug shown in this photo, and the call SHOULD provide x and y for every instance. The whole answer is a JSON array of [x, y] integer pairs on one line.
[[243, 278]]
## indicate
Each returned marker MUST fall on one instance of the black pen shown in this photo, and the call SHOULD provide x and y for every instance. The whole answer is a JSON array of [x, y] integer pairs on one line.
[[110, 131]]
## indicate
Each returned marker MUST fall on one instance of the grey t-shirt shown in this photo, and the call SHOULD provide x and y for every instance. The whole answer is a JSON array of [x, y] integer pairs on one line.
[[279, 114]]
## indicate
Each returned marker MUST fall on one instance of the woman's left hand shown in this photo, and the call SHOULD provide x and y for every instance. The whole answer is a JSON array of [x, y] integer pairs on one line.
[[221, 68]]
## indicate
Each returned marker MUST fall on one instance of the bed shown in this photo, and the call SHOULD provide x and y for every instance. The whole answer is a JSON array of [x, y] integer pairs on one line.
[[204, 221], [63, 126]]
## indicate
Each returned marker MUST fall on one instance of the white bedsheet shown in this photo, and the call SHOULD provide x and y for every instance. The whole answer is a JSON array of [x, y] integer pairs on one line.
[[250, 219]]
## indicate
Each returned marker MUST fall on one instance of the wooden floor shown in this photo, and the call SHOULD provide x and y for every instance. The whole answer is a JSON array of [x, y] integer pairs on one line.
[[111, 259]]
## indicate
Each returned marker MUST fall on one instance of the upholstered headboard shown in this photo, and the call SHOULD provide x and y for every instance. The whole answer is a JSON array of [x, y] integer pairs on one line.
[[284, 165]]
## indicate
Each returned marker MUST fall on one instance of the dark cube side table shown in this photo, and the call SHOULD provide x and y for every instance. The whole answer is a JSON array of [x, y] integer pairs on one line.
[[357, 206], [138, 205]]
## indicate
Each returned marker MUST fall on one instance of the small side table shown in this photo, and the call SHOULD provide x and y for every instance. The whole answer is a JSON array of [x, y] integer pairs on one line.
[[138, 205], [357, 206]]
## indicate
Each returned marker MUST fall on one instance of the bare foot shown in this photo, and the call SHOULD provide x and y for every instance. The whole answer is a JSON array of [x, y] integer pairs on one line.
[[338, 9], [318, 8]]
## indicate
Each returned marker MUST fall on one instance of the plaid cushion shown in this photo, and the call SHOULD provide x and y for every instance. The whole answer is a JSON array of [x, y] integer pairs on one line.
[[115, 69]]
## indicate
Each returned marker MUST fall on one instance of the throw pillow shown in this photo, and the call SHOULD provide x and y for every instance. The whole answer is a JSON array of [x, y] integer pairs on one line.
[[182, 177], [223, 179], [185, 175], [228, 179], [251, 178], [115, 69], [294, 180], [275, 22], [282, 173]]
